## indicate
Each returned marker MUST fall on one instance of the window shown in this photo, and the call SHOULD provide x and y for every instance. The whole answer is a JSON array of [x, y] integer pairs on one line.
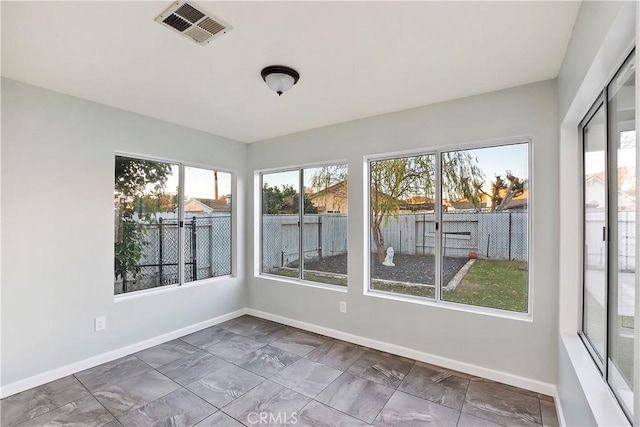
[[453, 226], [305, 238], [609, 234], [172, 224]]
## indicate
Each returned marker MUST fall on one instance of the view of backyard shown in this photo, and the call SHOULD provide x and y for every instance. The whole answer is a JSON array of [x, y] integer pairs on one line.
[[478, 241], [488, 283]]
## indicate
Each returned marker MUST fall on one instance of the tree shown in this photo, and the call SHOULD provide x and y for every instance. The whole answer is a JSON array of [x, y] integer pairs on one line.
[[284, 201], [139, 186], [396, 179], [503, 192], [391, 181], [328, 176]]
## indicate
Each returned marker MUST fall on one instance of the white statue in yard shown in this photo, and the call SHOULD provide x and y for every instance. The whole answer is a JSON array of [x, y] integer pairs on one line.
[[388, 261]]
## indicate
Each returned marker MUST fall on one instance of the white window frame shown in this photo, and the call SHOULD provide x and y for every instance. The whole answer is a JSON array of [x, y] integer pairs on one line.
[[609, 373], [437, 302], [258, 183], [181, 216]]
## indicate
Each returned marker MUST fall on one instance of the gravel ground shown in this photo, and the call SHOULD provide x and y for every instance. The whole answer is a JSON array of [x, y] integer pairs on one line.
[[409, 268]]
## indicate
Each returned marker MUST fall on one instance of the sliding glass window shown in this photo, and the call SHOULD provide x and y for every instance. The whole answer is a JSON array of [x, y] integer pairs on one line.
[[485, 227], [594, 319], [608, 316], [172, 224], [453, 226], [305, 238]]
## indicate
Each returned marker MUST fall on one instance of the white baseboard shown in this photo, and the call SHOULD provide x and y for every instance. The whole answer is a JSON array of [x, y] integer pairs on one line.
[[562, 422], [72, 368], [503, 377]]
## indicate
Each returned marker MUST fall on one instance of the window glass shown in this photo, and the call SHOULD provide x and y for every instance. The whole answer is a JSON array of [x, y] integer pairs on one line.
[[452, 226], [310, 245], [324, 233], [402, 224], [207, 223], [280, 223], [595, 245], [621, 110], [164, 235], [146, 224], [485, 232]]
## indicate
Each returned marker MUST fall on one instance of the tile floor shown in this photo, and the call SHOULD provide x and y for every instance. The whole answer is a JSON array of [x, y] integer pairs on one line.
[[254, 372]]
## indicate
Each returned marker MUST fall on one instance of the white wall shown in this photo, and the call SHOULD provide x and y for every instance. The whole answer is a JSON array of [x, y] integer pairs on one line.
[[592, 24], [602, 36], [523, 350], [57, 234]]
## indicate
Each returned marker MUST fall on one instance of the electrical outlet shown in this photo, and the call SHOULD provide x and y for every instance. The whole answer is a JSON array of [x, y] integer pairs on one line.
[[343, 306], [101, 323]]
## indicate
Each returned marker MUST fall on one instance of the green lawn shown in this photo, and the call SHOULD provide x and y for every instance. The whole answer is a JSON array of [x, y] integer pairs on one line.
[[493, 283], [489, 283], [399, 288]]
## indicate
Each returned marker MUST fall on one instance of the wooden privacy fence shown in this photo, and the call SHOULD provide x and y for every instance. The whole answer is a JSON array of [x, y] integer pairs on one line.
[[323, 235], [500, 235]]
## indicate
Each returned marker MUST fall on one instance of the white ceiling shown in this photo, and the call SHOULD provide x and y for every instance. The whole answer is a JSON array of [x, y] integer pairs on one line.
[[356, 59]]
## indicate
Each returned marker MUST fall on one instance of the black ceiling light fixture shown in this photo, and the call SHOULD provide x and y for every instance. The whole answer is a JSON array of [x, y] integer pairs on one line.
[[280, 78]]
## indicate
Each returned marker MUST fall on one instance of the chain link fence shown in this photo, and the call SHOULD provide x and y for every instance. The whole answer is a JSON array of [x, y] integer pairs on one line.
[[207, 252]]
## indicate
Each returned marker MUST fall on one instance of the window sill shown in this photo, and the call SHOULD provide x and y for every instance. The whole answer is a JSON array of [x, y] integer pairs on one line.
[[298, 282], [169, 288], [525, 317], [602, 403]]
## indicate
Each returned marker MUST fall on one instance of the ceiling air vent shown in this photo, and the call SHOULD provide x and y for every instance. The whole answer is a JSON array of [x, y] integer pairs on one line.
[[188, 20]]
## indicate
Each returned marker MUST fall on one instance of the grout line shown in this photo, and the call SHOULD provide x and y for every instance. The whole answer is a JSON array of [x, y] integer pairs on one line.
[[199, 397], [98, 400]]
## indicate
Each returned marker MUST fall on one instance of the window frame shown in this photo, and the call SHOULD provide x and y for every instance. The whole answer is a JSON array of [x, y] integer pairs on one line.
[[259, 182], [602, 99], [593, 110], [181, 229], [437, 301]]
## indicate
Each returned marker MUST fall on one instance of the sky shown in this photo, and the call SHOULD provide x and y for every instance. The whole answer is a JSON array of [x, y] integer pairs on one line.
[[279, 179], [199, 183], [498, 160], [594, 160], [492, 161]]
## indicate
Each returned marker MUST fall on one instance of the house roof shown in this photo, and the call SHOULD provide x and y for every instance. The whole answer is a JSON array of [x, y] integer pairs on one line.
[[211, 205], [626, 179], [330, 189]]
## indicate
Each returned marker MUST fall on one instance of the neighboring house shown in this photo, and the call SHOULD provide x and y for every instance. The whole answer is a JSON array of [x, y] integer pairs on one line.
[[464, 204], [195, 205], [331, 200], [595, 192], [418, 204]]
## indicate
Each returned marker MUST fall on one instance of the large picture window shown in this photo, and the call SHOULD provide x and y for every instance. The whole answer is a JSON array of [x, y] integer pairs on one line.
[[609, 252], [453, 226], [172, 224], [305, 238]]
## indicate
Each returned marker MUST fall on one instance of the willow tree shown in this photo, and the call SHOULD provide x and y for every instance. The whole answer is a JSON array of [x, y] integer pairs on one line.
[[394, 180]]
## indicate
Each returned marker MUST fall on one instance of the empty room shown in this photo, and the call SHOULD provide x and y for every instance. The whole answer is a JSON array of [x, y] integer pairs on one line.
[[367, 213]]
